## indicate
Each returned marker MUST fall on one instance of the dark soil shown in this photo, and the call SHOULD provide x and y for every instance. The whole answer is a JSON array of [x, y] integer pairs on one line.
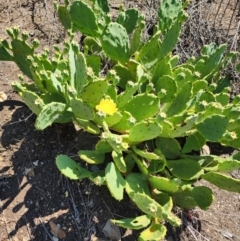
[[28, 201]]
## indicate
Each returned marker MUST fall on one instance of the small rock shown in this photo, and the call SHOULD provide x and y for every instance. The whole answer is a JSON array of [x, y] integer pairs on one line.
[[36, 163], [112, 231]]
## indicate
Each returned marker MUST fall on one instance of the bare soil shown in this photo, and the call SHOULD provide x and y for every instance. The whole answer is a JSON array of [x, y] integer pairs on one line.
[[29, 200]]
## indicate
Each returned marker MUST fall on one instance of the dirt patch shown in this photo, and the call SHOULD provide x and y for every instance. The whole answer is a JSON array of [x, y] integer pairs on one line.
[[28, 203]]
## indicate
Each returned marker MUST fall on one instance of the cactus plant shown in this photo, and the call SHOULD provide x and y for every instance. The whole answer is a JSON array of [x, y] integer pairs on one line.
[[149, 110]]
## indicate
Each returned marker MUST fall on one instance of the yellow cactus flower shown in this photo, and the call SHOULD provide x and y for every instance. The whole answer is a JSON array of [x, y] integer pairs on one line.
[[107, 106]]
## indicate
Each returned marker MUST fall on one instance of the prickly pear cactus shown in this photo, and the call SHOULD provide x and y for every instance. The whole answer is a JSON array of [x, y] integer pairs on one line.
[[152, 113]]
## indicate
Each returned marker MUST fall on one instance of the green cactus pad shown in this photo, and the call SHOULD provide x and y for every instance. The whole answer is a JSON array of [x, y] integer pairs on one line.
[[222, 181], [170, 147], [193, 142], [155, 232], [146, 154], [203, 196], [148, 54], [49, 114], [222, 98], [229, 166], [170, 40], [188, 125], [119, 161], [81, 110], [124, 125], [101, 9], [208, 162], [163, 199], [103, 147], [198, 86], [92, 44], [133, 223], [236, 156], [156, 166], [213, 127], [166, 83], [93, 92], [4, 54], [32, 100], [179, 104], [94, 62], [102, 5], [124, 74], [185, 169], [127, 95], [92, 157], [174, 61], [65, 117], [185, 199], [98, 178], [154, 209], [212, 59], [115, 42], [142, 106], [87, 126], [167, 127], [128, 19], [168, 13], [70, 168], [130, 162], [84, 19], [136, 38], [112, 120], [161, 68], [144, 131], [164, 184], [81, 72], [115, 181], [64, 17], [20, 51], [136, 183]]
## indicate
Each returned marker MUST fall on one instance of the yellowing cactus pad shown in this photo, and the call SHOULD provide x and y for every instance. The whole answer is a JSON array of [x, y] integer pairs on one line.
[[107, 106]]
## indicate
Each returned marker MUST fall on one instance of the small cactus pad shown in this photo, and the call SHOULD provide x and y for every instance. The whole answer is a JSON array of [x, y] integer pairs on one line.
[[163, 184], [119, 161], [170, 40], [103, 147], [185, 169], [203, 196], [115, 181], [168, 13], [115, 42], [32, 100], [93, 92], [223, 181], [84, 19], [144, 131], [142, 106], [155, 232], [170, 147], [193, 142], [91, 157], [133, 223], [136, 183], [179, 104], [128, 19], [70, 168], [49, 114], [213, 127], [81, 109]]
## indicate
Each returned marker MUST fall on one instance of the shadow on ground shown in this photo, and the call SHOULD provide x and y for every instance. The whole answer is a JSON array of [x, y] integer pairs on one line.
[[81, 208]]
